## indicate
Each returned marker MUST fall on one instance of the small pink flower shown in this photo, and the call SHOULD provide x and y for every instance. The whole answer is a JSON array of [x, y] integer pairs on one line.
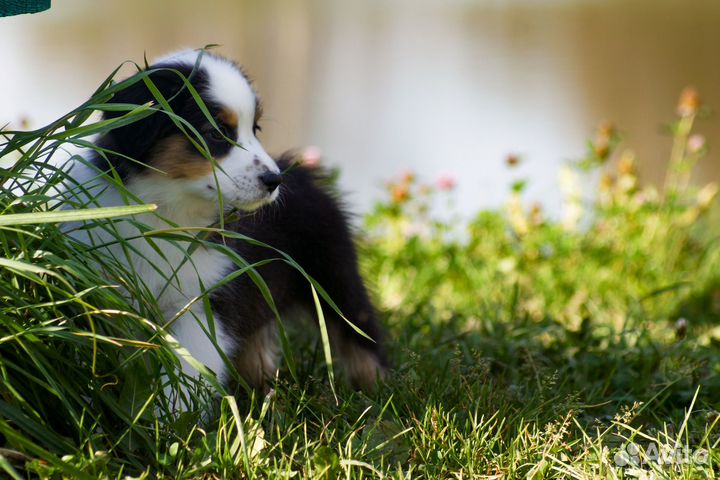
[[695, 143], [446, 182], [310, 156]]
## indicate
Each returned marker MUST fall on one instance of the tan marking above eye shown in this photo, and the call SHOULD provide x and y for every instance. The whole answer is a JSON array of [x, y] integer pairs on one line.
[[229, 117], [176, 158]]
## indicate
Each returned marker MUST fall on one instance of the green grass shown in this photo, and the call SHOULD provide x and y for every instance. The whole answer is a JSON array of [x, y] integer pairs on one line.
[[523, 346]]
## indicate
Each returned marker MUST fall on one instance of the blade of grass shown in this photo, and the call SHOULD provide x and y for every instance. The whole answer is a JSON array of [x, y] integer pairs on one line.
[[16, 219], [325, 342]]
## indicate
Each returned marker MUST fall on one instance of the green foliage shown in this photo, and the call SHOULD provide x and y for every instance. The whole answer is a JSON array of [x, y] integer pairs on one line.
[[523, 346], [562, 321], [80, 362]]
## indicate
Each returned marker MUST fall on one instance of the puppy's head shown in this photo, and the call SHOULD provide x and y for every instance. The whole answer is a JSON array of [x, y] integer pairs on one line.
[[163, 150]]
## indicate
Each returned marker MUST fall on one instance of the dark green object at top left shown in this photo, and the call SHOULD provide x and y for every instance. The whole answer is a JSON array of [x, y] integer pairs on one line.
[[17, 7]]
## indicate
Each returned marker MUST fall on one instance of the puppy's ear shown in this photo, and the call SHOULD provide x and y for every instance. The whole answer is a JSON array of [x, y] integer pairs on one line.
[[168, 80], [131, 143], [168, 83]]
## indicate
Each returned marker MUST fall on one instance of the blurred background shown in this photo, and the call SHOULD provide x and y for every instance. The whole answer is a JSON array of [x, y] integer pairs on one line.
[[439, 87]]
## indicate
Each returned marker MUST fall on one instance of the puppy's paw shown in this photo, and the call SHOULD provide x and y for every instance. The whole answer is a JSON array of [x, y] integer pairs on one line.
[[364, 367]]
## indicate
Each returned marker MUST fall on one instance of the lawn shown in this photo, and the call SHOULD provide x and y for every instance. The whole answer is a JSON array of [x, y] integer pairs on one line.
[[524, 345]]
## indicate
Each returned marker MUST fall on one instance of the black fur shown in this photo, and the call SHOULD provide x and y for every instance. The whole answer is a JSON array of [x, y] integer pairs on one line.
[[307, 223]]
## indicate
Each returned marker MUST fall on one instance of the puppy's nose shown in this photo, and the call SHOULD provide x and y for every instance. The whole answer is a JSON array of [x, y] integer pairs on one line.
[[271, 180]]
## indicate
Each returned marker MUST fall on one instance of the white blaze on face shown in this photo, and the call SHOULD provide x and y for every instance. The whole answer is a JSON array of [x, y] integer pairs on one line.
[[238, 174], [241, 168]]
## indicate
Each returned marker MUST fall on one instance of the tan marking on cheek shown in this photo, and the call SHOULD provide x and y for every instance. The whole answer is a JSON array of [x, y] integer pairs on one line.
[[176, 158], [229, 117]]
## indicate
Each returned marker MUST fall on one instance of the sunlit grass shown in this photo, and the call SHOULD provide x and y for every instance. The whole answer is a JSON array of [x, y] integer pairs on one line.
[[522, 345]]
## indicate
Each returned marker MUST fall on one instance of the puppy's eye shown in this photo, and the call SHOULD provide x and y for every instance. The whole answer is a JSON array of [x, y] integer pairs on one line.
[[220, 134], [256, 129]]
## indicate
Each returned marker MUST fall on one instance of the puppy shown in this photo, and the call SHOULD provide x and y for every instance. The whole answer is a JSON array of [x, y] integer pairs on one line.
[[161, 160]]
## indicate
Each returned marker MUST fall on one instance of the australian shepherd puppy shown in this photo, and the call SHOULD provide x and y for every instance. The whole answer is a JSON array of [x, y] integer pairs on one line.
[[160, 160]]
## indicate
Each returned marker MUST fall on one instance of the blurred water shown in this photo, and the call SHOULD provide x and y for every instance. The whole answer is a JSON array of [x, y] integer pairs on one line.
[[381, 86]]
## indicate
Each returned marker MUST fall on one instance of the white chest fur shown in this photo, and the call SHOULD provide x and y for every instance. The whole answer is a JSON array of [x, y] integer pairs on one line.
[[174, 273]]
